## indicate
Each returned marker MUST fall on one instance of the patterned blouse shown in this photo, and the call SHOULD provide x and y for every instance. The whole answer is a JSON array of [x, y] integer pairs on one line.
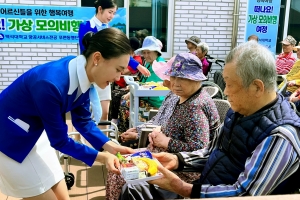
[[191, 124], [165, 111]]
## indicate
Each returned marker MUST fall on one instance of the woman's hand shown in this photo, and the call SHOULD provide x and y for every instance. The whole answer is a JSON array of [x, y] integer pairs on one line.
[[168, 160], [111, 162], [172, 182], [126, 96], [144, 70], [115, 148], [129, 135], [158, 139]]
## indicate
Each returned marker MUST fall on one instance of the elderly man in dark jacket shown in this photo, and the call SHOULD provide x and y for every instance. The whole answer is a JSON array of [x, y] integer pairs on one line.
[[258, 149]]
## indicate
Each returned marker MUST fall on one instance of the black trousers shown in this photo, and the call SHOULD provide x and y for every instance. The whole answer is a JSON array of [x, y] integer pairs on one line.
[[145, 191]]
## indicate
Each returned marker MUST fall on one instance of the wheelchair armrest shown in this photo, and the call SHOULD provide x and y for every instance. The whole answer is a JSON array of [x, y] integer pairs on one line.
[[190, 169], [102, 123], [152, 113], [144, 141]]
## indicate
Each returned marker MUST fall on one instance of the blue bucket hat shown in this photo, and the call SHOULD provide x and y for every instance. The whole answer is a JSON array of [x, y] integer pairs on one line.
[[187, 65]]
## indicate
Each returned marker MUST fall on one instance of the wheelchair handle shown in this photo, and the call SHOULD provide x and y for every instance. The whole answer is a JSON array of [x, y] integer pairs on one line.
[[130, 81]]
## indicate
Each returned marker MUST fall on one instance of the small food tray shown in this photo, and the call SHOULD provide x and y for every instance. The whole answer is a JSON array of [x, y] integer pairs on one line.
[[152, 86], [134, 169]]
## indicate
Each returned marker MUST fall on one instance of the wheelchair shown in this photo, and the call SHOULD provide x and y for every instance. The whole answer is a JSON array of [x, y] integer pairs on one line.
[[112, 134]]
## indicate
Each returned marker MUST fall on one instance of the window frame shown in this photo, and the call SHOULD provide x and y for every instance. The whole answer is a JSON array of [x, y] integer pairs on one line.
[[170, 28], [169, 52], [286, 18]]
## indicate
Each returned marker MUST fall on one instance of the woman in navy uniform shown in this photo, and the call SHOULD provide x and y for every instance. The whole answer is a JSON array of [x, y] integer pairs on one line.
[[36, 102], [105, 12]]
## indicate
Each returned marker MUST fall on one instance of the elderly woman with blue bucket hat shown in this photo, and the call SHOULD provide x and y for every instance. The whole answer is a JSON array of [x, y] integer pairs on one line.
[[188, 122], [151, 51]]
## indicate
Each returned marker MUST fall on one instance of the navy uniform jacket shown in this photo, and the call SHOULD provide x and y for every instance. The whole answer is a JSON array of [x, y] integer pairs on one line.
[[39, 99]]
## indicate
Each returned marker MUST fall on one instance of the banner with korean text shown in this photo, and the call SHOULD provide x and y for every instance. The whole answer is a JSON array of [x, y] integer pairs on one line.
[[47, 24], [262, 21]]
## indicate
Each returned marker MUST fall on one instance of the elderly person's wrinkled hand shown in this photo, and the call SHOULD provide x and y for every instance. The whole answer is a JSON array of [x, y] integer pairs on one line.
[[129, 135], [158, 139], [126, 96], [294, 99], [172, 182], [292, 83], [168, 160], [144, 70], [132, 129]]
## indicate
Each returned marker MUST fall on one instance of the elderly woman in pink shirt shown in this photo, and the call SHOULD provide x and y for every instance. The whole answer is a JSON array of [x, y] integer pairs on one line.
[[201, 51]]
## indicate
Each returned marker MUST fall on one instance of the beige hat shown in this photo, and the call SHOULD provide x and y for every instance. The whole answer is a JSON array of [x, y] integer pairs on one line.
[[289, 40], [194, 40], [297, 47]]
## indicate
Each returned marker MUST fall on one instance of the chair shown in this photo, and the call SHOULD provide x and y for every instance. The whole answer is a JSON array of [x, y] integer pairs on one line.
[[144, 141], [211, 90], [152, 113], [222, 107], [293, 106], [112, 134], [220, 93], [282, 83], [219, 80], [211, 60]]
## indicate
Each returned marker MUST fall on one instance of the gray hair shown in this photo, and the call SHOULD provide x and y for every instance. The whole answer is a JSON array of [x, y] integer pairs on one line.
[[254, 61], [203, 46]]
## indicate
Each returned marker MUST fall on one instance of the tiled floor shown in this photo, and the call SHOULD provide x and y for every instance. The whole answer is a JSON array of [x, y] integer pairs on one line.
[[89, 181]]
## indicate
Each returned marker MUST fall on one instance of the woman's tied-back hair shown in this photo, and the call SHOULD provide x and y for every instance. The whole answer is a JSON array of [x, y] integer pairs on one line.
[[110, 42], [254, 61], [104, 4]]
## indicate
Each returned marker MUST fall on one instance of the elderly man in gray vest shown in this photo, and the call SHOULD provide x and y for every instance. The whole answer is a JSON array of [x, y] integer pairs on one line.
[[258, 149]]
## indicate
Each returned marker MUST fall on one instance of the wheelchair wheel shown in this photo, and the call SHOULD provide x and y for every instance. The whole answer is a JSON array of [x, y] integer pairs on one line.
[[70, 179], [71, 174]]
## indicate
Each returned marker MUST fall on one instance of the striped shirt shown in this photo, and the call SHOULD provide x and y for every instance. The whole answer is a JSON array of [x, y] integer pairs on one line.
[[273, 160], [284, 63]]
